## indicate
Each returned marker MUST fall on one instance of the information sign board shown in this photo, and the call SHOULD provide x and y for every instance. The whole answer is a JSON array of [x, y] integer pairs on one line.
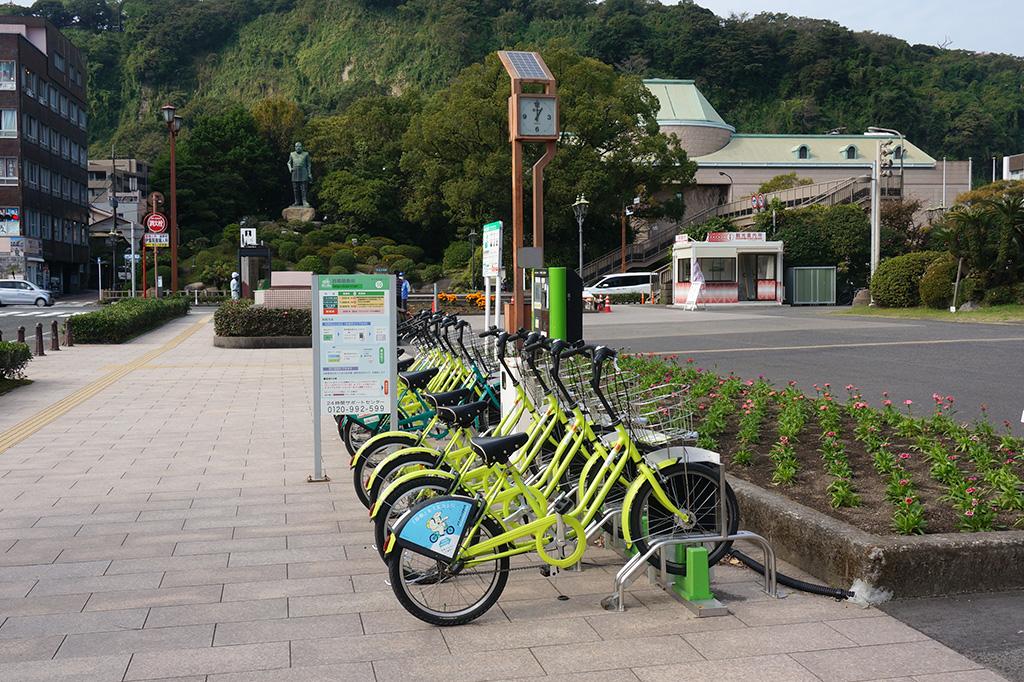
[[157, 239], [492, 249], [354, 349]]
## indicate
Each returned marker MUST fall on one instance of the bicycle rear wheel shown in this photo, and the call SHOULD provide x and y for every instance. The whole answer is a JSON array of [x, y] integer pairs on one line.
[[359, 429], [440, 594]]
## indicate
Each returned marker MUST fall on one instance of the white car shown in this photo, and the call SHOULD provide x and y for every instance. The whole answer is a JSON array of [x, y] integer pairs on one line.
[[621, 283], [20, 291]]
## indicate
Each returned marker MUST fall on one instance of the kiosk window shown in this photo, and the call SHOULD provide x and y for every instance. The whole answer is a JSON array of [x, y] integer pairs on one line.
[[684, 270], [766, 266], [718, 269]]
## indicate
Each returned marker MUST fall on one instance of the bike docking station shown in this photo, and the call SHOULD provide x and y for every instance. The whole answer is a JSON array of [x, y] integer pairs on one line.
[[692, 590]]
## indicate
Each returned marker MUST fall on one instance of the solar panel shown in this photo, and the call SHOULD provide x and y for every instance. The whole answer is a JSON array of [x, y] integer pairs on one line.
[[527, 65]]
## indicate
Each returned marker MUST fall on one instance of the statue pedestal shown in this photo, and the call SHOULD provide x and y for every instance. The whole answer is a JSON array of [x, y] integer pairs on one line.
[[302, 214]]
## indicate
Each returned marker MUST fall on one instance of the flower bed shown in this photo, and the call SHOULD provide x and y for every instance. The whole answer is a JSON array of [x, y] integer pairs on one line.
[[882, 469], [125, 319]]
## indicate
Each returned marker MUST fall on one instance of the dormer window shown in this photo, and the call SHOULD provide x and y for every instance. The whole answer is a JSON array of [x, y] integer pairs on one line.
[[850, 152], [803, 152]]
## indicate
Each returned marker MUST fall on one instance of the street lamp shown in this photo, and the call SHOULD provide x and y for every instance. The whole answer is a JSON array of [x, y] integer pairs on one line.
[[579, 209], [173, 123], [723, 173], [876, 194], [472, 258]]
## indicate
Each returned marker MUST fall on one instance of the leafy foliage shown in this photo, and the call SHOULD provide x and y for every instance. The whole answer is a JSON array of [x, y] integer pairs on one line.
[[936, 287], [126, 319], [784, 181], [241, 318], [897, 280], [14, 357]]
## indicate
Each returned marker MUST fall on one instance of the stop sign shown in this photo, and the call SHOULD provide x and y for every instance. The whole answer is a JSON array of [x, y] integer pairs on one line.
[[156, 222]]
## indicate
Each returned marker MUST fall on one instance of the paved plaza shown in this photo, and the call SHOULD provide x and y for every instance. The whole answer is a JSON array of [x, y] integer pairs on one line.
[[156, 523]]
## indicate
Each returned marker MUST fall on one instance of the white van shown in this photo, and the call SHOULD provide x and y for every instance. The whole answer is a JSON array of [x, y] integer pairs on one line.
[[15, 291], [621, 283]]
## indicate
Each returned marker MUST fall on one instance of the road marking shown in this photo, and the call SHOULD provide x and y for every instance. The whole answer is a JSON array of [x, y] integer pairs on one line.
[[826, 346], [27, 427]]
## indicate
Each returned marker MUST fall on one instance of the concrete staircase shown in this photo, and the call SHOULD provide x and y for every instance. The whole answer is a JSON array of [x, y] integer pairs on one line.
[[644, 254]]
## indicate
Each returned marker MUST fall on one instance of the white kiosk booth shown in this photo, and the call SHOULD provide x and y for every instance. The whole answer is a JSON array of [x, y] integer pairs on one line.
[[737, 267]]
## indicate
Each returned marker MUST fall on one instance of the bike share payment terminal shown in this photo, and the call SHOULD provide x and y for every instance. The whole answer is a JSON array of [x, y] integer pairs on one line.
[[557, 303]]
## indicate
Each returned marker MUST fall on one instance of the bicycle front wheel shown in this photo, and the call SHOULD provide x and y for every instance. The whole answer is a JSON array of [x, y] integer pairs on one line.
[[440, 594], [693, 489], [357, 430]]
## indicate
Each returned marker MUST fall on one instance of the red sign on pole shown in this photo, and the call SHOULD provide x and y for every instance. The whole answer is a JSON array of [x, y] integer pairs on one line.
[[156, 222]]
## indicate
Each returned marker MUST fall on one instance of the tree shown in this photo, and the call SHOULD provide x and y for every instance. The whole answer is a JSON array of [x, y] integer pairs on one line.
[[781, 182], [91, 15], [314, 264], [457, 156], [53, 11], [901, 231], [226, 170], [279, 119]]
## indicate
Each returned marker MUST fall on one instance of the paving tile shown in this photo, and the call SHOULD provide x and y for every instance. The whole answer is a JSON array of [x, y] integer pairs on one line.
[[348, 602], [208, 661], [220, 546], [134, 641], [513, 663], [268, 589], [75, 570], [284, 629], [71, 669], [397, 619], [538, 609], [778, 668], [147, 551], [287, 556], [168, 563], [34, 649], [366, 647], [72, 623], [287, 530], [868, 663], [220, 576], [963, 676], [102, 583], [16, 589], [773, 639], [797, 608], [881, 630], [477, 636], [262, 609], [613, 653], [349, 672], [171, 596], [34, 606], [641, 622]]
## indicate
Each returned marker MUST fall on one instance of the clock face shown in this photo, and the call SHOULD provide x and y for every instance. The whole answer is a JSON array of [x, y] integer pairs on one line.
[[538, 116]]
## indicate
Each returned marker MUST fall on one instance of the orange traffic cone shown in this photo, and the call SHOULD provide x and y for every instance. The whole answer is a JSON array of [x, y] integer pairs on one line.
[[607, 303]]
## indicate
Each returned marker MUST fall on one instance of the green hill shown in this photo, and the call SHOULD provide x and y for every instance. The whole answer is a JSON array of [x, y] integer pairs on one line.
[[769, 73]]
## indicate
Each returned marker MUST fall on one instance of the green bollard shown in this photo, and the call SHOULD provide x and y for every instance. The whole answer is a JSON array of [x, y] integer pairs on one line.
[[696, 584]]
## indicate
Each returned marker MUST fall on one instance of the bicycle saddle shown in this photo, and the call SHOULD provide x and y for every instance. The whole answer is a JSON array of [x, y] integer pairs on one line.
[[405, 363], [462, 415], [498, 450], [418, 380], [447, 398]]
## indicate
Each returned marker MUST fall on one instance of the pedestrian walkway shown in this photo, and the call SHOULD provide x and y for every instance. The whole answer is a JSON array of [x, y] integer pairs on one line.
[[156, 522]]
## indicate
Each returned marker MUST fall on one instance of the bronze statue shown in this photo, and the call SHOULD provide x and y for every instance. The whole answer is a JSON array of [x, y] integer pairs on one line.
[[302, 173]]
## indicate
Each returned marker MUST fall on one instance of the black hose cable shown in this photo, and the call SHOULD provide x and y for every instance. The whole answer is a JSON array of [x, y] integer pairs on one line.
[[824, 590]]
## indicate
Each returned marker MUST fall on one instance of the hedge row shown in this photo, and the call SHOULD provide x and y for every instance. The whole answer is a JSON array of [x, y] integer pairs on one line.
[[896, 283], [13, 358], [121, 321], [242, 318]]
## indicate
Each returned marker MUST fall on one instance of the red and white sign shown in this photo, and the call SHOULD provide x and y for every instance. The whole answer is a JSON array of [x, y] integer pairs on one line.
[[736, 237], [156, 222], [760, 201]]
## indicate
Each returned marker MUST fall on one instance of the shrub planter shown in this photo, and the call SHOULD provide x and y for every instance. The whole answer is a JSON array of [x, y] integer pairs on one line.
[[263, 341], [907, 566]]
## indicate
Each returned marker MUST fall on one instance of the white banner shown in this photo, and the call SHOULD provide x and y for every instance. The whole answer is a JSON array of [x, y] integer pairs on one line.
[[696, 284]]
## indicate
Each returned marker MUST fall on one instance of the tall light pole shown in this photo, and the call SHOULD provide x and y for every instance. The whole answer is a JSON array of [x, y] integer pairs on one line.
[[579, 209], [876, 192], [173, 123], [723, 173]]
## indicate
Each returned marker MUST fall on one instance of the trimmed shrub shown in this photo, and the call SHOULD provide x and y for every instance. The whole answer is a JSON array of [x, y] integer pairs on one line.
[[897, 280], [242, 318], [345, 259], [936, 287], [1003, 294], [13, 358], [312, 264], [126, 319]]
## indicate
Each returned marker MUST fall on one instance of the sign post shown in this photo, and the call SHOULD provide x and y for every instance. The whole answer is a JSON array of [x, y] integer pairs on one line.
[[354, 351], [492, 235]]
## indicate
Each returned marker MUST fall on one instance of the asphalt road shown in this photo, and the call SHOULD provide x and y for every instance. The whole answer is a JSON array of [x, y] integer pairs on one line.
[[14, 316], [978, 364]]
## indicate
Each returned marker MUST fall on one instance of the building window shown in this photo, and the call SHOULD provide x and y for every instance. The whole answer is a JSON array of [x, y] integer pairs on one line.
[[718, 269], [64, 106], [8, 76], [44, 180], [8, 170], [850, 153], [41, 94], [766, 266], [58, 61], [29, 82], [32, 171], [8, 122], [803, 152], [54, 99], [54, 141], [82, 120]]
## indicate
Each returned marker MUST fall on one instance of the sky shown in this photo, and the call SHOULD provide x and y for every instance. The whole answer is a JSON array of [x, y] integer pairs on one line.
[[977, 25]]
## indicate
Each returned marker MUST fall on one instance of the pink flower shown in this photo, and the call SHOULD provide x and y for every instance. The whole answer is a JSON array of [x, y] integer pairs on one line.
[[823, 408], [936, 397], [951, 458], [904, 455], [689, 361], [970, 490], [908, 403], [887, 403], [831, 434], [828, 386], [701, 406], [850, 387], [908, 501], [904, 481], [974, 502], [885, 394], [784, 440], [750, 382], [969, 512], [949, 399], [792, 382]]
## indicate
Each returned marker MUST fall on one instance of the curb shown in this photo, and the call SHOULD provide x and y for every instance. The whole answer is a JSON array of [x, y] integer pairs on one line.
[[911, 566], [266, 342]]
